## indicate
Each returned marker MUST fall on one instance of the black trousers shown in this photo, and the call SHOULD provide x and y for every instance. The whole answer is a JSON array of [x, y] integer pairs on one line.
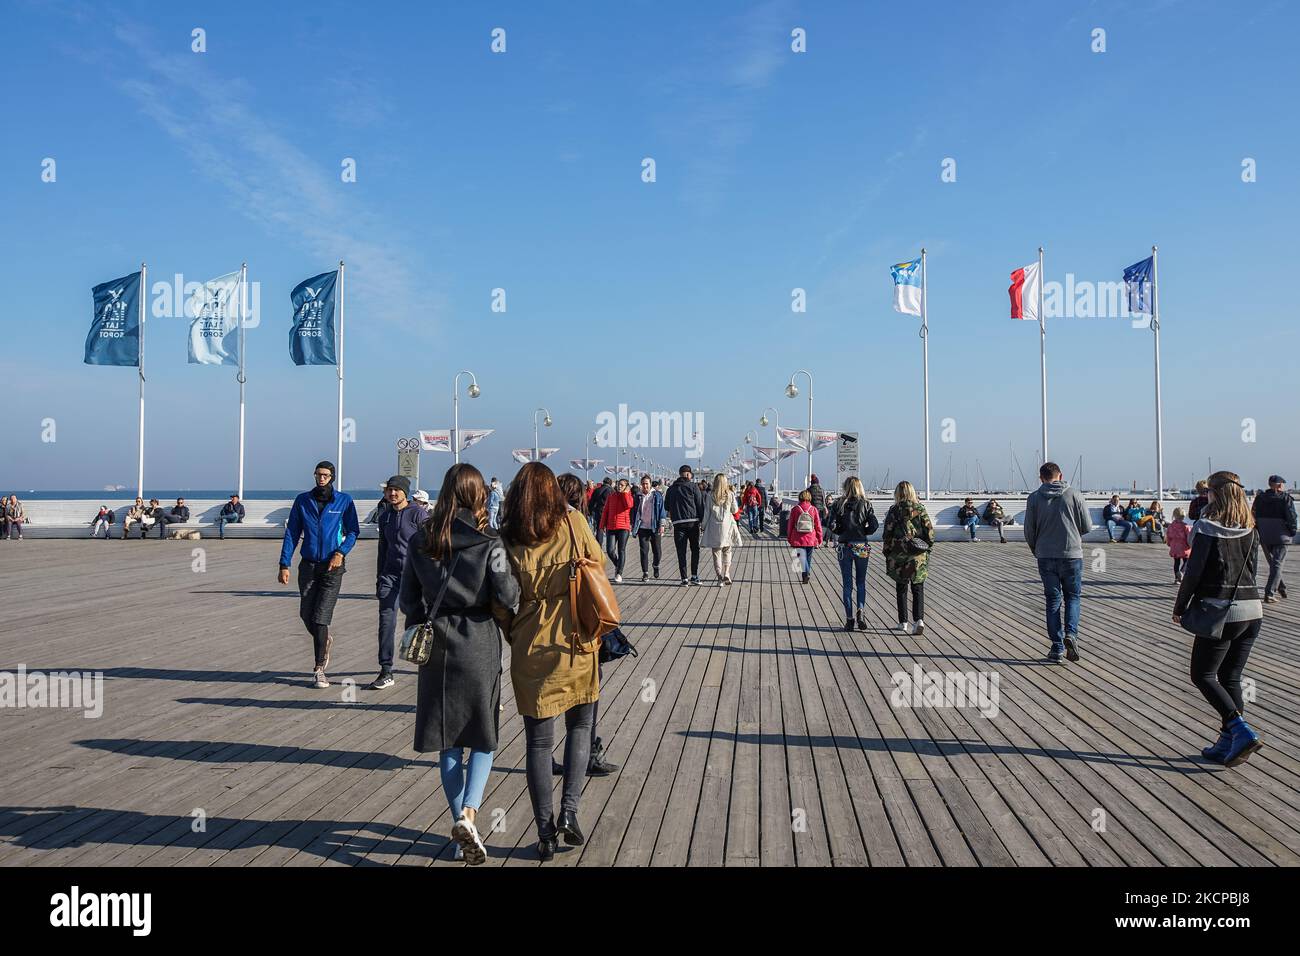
[[918, 600], [540, 736], [647, 540], [318, 591], [616, 547], [683, 535], [1217, 666]]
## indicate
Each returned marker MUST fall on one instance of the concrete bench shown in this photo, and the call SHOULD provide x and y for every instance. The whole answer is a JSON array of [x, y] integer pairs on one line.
[[73, 519]]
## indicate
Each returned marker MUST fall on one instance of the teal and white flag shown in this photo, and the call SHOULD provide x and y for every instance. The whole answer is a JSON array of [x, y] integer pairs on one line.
[[214, 333], [907, 287]]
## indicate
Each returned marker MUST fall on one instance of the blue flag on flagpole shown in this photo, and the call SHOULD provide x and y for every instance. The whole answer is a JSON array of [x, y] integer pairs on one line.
[[311, 340], [114, 337], [1137, 282]]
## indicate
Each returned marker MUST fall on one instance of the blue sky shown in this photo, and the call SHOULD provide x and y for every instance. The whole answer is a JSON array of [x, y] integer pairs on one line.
[[775, 170]]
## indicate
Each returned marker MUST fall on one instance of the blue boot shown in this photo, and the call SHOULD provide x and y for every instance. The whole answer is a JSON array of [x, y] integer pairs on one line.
[[1244, 742], [1216, 751]]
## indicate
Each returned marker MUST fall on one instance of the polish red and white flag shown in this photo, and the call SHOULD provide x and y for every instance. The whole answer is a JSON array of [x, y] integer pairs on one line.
[[1026, 284]]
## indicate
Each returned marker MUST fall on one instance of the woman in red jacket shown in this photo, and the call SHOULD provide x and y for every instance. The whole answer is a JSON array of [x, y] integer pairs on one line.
[[804, 531], [616, 522]]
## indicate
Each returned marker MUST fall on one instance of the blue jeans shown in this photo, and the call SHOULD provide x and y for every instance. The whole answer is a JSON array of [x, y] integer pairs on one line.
[[1112, 525], [223, 520], [852, 569], [1062, 577], [807, 559], [754, 514], [464, 783], [971, 524]]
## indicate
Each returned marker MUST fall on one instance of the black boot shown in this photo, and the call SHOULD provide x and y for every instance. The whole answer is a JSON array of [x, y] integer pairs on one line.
[[598, 766], [805, 577], [568, 826], [547, 840], [862, 620], [848, 624]]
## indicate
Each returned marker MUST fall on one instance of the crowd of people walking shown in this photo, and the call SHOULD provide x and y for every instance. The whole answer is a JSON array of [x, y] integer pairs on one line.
[[490, 564]]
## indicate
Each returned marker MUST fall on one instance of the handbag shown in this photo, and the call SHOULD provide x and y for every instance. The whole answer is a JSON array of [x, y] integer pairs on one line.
[[592, 603], [417, 641], [1206, 617], [615, 645]]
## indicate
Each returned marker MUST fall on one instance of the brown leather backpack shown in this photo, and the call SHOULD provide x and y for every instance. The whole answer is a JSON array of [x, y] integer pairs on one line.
[[592, 603]]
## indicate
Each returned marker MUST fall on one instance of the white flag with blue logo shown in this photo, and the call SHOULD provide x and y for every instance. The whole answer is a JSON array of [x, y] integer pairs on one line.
[[907, 287], [214, 333]]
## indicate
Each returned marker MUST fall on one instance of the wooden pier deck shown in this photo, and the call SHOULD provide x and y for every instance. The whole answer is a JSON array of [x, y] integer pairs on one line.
[[752, 730]]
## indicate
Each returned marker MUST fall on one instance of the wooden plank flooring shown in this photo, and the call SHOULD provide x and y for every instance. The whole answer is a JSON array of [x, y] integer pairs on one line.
[[752, 730]]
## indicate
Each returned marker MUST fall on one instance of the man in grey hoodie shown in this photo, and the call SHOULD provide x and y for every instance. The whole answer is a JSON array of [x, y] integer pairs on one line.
[[1056, 519]]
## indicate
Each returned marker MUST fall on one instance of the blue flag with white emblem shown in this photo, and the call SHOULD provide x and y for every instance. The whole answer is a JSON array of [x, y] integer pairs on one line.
[[214, 333], [907, 287], [1137, 282], [311, 340], [114, 337]]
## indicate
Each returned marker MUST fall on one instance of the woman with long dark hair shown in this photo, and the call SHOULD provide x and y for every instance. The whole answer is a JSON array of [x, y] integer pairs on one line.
[[1222, 567], [551, 674], [455, 570]]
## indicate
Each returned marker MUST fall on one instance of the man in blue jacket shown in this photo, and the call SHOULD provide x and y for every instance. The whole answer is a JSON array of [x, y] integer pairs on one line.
[[326, 521], [398, 526]]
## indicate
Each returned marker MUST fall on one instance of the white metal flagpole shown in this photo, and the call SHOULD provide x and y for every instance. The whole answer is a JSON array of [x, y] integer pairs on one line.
[[338, 465], [243, 315], [1155, 324], [1042, 346], [144, 286], [925, 374]]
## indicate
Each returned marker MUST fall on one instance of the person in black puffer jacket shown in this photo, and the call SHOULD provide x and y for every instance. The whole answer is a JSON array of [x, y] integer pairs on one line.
[[685, 503], [1275, 516], [1222, 567], [853, 521]]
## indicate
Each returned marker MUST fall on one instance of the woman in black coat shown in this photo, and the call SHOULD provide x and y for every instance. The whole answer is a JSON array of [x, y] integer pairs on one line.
[[455, 569]]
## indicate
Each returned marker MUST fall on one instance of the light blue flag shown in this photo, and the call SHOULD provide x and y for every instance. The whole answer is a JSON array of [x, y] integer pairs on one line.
[[114, 337], [311, 340], [214, 333], [907, 287]]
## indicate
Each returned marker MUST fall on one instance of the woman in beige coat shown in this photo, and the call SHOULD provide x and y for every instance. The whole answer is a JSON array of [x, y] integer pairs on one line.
[[550, 674], [720, 532]]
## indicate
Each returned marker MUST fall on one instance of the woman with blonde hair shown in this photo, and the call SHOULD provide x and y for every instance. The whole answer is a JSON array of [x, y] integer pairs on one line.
[[908, 536], [1219, 573], [719, 531], [803, 530], [853, 521]]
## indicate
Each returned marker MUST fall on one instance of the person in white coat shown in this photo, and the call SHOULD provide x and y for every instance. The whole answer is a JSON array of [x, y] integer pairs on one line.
[[720, 532]]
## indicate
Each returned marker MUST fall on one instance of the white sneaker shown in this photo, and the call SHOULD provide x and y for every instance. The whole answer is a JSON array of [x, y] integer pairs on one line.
[[721, 582], [919, 627], [466, 835], [319, 680], [907, 627], [618, 579]]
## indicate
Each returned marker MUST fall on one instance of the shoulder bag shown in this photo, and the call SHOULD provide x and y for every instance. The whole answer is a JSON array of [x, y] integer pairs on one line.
[[1205, 617], [417, 641], [592, 603]]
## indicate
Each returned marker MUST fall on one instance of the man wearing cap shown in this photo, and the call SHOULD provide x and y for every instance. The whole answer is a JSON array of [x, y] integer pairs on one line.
[[1275, 518], [398, 524], [326, 521]]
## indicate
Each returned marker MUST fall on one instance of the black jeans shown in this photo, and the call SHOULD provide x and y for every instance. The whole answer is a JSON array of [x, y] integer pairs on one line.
[[616, 547], [540, 736], [1275, 556], [387, 591], [684, 534], [1217, 666], [918, 600], [318, 590], [648, 540]]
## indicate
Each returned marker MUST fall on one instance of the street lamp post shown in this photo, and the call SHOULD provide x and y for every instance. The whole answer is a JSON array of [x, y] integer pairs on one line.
[[586, 472], [547, 422], [776, 446], [473, 391], [792, 391], [749, 441]]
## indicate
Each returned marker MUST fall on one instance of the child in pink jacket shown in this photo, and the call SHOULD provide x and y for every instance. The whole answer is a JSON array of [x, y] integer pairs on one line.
[[1180, 547], [806, 540]]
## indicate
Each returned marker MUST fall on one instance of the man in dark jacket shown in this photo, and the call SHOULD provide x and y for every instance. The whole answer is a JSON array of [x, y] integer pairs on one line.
[[1275, 517], [1115, 518], [596, 507], [398, 524], [1200, 501], [178, 514], [686, 504], [762, 504], [1056, 519], [232, 512], [326, 521]]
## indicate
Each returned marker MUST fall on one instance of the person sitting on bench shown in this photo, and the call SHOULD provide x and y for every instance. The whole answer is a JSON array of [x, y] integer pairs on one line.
[[103, 519], [969, 517], [995, 517], [231, 512], [179, 514], [138, 514]]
